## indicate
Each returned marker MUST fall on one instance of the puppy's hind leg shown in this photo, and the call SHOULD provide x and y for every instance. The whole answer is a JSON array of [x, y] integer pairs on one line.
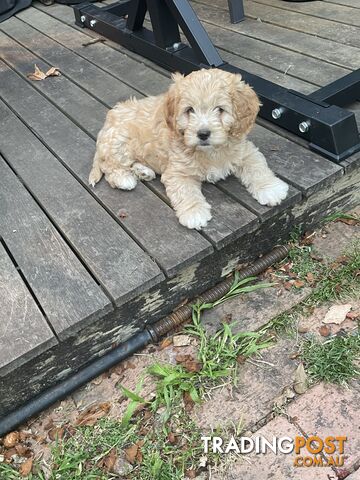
[[122, 178], [143, 172], [96, 172]]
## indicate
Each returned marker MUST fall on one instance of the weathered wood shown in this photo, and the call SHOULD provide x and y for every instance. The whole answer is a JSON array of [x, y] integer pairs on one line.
[[336, 10], [230, 219], [63, 13], [144, 80], [320, 27], [117, 262], [172, 245], [233, 187], [68, 97], [83, 72], [65, 290], [24, 332], [324, 50], [342, 195]]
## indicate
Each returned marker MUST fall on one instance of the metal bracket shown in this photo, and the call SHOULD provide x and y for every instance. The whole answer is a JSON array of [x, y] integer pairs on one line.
[[318, 118]]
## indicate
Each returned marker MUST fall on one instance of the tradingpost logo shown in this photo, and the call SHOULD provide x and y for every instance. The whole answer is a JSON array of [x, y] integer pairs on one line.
[[312, 451]]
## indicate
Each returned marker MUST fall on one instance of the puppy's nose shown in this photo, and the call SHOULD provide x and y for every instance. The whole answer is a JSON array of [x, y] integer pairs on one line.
[[203, 134]]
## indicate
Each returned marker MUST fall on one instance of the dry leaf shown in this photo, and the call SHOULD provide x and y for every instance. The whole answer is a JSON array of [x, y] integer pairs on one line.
[[172, 438], [310, 277], [324, 331], [93, 414], [348, 221], [56, 433], [181, 340], [303, 329], [337, 313], [300, 380], [192, 366], [11, 439], [298, 283], [353, 315], [165, 343], [188, 402], [131, 453], [190, 473], [108, 462], [25, 468], [40, 75]]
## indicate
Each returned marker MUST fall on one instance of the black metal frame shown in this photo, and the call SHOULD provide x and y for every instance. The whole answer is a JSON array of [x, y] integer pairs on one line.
[[318, 118]]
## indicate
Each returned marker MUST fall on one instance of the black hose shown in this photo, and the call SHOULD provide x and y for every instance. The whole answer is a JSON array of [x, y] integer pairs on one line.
[[152, 334]]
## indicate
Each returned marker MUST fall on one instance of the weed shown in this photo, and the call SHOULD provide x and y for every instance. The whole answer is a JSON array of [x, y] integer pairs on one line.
[[332, 361]]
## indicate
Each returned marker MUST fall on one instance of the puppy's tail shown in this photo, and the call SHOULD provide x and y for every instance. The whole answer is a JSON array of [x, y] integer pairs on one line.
[[96, 173]]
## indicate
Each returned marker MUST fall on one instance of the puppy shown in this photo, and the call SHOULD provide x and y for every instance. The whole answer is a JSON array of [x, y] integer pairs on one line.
[[194, 132]]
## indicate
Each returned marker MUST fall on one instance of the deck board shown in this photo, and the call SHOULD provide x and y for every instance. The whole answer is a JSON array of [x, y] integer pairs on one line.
[[127, 250], [114, 258], [164, 239], [65, 290], [21, 320]]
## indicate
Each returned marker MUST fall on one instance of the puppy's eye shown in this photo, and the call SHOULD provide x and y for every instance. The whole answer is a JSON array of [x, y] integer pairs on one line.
[[189, 110], [219, 109]]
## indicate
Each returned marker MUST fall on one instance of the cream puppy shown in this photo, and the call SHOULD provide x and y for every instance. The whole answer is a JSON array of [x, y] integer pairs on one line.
[[194, 132]]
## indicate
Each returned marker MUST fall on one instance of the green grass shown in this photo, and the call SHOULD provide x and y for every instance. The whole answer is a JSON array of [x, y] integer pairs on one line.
[[332, 361]]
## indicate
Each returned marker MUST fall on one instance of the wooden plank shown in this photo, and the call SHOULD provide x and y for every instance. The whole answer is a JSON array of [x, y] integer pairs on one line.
[[172, 245], [82, 72], [144, 80], [24, 332], [330, 29], [348, 3], [297, 165], [329, 10], [65, 290], [69, 98], [233, 187], [325, 50], [64, 14], [117, 262], [230, 219]]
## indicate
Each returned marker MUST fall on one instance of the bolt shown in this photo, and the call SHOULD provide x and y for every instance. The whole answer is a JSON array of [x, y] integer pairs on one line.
[[82, 18], [92, 23], [277, 112], [304, 126], [176, 46]]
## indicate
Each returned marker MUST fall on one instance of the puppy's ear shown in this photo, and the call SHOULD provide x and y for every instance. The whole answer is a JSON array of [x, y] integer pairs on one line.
[[246, 107], [171, 107]]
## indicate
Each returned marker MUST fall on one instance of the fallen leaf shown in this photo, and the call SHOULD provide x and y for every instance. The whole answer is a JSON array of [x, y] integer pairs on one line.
[[165, 343], [324, 331], [241, 359], [130, 453], [53, 72], [91, 42], [300, 380], [227, 318], [91, 415], [11, 439], [348, 221], [310, 278], [182, 358], [172, 438], [108, 462], [23, 451], [288, 285], [353, 315], [299, 283], [56, 433], [192, 366], [188, 402], [9, 453], [181, 340], [337, 313], [203, 462], [25, 468], [40, 75], [190, 473]]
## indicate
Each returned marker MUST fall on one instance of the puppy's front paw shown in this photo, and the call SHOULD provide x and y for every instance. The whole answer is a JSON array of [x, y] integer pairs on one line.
[[195, 217], [273, 194]]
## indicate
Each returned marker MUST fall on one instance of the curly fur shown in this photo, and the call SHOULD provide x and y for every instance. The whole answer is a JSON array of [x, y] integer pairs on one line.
[[194, 132]]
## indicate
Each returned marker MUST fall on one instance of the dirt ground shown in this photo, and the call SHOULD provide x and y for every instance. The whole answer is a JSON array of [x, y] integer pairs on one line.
[[265, 400]]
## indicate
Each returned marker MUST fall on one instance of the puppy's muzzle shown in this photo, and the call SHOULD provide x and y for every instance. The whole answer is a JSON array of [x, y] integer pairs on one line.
[[203, 136]]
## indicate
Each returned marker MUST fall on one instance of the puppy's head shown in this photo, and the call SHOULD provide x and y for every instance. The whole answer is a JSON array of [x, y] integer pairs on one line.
[[208, 107]]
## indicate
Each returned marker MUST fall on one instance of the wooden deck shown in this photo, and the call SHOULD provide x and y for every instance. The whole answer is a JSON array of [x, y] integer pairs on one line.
[[83, 269]]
